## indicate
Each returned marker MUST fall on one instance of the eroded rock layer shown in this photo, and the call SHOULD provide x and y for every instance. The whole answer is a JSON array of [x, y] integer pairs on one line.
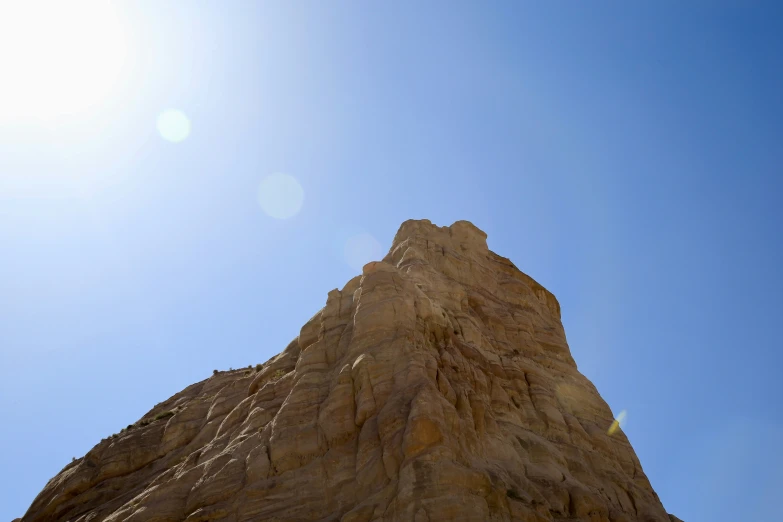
[[437, 385]]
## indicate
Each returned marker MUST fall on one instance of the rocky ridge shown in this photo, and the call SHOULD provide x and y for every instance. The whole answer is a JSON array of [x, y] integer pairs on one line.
[[437, 385]]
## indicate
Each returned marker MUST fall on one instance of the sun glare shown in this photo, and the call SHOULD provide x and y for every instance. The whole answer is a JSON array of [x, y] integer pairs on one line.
[[57, 58]]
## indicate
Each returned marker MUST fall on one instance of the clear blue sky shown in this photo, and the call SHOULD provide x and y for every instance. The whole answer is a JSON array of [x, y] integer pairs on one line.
[[628, 156]]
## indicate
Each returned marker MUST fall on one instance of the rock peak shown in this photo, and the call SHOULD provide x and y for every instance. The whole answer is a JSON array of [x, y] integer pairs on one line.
[[460, 232], [438, 385]]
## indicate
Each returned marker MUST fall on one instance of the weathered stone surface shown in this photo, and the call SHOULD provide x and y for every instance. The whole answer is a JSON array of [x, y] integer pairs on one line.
[[437, 385]]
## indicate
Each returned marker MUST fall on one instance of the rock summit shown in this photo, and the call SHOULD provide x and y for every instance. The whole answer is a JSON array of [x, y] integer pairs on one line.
[[437, 385]]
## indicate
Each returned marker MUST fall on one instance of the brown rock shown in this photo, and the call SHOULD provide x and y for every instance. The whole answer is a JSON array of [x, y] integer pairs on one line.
[[437, 385]]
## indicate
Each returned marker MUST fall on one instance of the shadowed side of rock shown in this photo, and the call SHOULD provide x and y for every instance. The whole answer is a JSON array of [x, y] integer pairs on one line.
[[437, 385]]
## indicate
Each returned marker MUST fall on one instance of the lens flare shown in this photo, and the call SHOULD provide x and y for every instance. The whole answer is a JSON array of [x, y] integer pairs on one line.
[[361, 249], [280, 196], [173, 125], [617, 423]]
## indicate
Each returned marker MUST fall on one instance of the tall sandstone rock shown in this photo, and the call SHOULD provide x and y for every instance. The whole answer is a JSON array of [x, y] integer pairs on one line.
[[437, 385]]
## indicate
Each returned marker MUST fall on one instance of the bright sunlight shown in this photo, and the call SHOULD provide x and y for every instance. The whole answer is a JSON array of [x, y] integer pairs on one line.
[[57, 58]]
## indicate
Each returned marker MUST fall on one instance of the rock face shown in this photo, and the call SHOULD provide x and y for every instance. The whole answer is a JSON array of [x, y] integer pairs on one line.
[[437, 385]]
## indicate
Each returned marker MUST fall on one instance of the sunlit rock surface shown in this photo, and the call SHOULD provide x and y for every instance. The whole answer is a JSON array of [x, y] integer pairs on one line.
[[438, 385]]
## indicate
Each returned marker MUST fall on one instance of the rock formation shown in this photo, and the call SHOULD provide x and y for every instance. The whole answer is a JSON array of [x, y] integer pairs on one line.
[[437, 385]]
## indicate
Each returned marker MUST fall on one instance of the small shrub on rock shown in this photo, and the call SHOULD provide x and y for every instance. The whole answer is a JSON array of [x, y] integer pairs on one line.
[[164, 415]]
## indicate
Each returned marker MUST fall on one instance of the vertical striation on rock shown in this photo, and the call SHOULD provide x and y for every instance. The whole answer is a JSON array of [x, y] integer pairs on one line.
[[438, 385]]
